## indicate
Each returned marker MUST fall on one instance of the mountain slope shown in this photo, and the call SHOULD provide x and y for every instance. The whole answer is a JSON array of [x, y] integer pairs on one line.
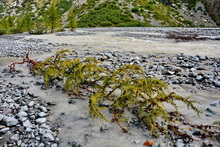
[[93, 13]]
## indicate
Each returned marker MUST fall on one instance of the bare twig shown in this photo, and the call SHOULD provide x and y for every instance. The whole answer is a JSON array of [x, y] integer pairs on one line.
[[26, 59]]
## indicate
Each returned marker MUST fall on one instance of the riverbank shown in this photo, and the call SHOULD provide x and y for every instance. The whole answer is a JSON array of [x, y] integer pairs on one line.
[[190, 68]]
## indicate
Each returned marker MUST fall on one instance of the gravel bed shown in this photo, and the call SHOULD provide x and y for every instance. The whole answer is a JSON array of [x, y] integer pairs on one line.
[[24, 118], [16, 46]]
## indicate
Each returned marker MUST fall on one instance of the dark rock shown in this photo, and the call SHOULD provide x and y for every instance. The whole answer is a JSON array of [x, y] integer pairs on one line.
[[210, 111], [72, 101], [216, 83], [197, 133], [104, 128]]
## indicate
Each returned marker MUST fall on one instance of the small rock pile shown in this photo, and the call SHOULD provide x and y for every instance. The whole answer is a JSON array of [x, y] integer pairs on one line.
[[15, 46], [23, 118], [74, 33], [202, 72]]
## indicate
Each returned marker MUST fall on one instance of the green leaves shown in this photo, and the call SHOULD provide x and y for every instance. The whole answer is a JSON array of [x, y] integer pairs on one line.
[[124, 90], [53, 19]]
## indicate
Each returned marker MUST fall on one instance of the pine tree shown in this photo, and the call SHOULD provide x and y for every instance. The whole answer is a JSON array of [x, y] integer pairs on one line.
[[10, 21], [27, 22], [53, 19], [71, 19]]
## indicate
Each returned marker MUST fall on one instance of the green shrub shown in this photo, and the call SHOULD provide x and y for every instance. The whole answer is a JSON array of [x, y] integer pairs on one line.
[[40, 29], [106, 24], [2, 31], [117, 91], [135, 10], [15, 30], [106, 14]]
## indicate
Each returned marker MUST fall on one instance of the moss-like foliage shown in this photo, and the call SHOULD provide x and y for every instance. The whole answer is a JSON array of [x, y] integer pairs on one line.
[[106, 14], [123, 90]]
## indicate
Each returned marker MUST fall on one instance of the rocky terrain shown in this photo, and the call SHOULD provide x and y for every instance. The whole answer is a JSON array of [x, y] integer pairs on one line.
[[31, 115], [152, 12]]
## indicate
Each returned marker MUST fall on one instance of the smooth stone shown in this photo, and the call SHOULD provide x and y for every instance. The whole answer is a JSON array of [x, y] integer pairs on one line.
[[24, 108], [54, 145], [31, 103], [216, 83], [42, 108], [179, 143], [19, 142], [41, 145], [48, 137], [4, 130], [27, 124], [41, 120], [22, 114], [137, 141], [15, 137], [216, 103], [1, 127], [42, 114], [199, 78], [28, 130], [10, 121], [22, 118]]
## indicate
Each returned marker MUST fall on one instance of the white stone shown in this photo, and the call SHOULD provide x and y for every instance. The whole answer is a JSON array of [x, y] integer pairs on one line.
[[10, 121], [41, 120], [48, 137]]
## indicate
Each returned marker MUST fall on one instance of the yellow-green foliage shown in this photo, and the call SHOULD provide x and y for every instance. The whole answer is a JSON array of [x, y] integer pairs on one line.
[[124, 90]]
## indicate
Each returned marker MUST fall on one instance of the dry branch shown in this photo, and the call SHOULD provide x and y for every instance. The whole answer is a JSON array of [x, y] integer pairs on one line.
[[26, 59]]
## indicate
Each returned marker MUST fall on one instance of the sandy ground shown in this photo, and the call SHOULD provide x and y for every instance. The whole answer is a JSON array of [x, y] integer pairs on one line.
[[77, 126], [104, 41]]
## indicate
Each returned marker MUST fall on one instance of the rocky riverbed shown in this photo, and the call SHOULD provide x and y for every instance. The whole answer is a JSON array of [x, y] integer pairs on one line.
[[33, 116]]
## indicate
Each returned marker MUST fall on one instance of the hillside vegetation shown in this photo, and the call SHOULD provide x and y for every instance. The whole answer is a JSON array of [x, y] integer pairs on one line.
[[41, 16]]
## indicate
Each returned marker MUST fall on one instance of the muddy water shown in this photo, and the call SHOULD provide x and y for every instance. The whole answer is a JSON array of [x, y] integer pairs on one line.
[[77, 126]]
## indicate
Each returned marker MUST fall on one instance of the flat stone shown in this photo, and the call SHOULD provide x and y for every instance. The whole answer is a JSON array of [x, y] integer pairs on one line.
[[216, 83], [179, 143], [42, 114], [54, 145], [24, 108], [48, 137], [41, 120], [27, 124], [42, 108], [4, 130], [15, 137], [41, 145], [22, 114], [10, 121]]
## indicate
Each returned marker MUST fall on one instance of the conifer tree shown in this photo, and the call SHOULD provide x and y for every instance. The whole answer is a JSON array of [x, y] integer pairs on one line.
[[53, 19], [27, 22], [4, 23], [71, 19], [10, 21]]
